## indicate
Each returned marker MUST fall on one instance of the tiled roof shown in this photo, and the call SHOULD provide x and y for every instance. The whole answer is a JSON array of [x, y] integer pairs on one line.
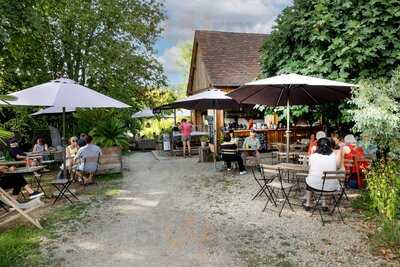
[[230, 59]]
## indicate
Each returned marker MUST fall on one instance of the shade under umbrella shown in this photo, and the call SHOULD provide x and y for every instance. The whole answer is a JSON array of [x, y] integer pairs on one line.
[[291, 89], [53, 110], [64, 93]]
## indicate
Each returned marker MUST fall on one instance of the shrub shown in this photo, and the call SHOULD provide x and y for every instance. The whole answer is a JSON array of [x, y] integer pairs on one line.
[[110, 133], [384, 188]]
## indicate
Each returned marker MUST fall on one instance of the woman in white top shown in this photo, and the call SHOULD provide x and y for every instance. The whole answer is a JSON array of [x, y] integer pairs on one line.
[[323, 159]]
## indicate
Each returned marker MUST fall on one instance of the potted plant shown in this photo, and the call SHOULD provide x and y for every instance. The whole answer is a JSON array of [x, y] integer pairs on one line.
[[203, 141], [110, 136]]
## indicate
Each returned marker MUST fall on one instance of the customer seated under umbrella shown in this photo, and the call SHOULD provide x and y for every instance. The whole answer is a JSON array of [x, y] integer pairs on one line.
[[322, 160], [230, 145], [16, 152], [251, 145], [41, 147], [15, 182], [85, 152]]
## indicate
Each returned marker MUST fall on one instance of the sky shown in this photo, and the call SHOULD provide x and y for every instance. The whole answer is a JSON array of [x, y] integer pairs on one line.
[[186, 16]]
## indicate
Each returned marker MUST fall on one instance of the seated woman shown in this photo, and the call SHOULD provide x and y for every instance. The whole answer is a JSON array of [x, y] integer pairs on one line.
[[352, 151], [323, 159], [16, 182], [70, 151], [311, 144], [229, 158], [40, 147]]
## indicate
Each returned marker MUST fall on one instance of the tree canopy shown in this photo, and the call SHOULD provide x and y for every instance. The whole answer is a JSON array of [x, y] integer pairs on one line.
[[106, 45], [343, 39]]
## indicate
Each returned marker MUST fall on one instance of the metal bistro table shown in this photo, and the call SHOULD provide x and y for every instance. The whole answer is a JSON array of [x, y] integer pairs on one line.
[[30, 170], [298, 171]]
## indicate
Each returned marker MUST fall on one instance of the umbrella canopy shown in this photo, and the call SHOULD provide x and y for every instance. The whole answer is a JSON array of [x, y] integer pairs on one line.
[[145, 113], [53, 110], [64, 93], [293, 88], [210, 99], [148, 113]]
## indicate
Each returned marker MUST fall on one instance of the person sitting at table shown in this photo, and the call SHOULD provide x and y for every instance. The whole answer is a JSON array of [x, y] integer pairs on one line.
[[16, 152], [311, 144], [82, 139], [322, 160], [352, 151], [230, 144], [89, 150], [16, 182], [251, 146], [40, 147], [319, 135], [70, 151]]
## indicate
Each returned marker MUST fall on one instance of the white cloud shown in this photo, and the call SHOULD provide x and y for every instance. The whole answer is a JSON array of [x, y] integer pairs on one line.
[[186, 16]]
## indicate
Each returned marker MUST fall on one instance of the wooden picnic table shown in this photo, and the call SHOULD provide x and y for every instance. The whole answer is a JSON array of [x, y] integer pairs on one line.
[[12, 163]]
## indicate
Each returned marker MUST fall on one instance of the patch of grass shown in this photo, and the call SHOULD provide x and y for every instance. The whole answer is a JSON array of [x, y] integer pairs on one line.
[[108, 177], [64, 214], [363, 203], [386, 239], [20, 246]]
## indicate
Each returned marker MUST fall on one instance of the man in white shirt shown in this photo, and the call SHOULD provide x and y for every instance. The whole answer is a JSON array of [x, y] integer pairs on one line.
[[88, 151]]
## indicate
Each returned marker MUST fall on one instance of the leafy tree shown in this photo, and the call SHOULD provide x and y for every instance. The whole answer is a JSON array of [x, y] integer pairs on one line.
[[183, 63], [341, 40], [105, 45], [344, 39], [377, 112]]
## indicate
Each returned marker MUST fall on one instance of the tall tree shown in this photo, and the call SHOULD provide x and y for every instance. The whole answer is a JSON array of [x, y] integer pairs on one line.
[[104, 44], [343, 39]]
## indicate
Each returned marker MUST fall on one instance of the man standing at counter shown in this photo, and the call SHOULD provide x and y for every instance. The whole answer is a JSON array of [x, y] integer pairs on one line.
[[251, 146]]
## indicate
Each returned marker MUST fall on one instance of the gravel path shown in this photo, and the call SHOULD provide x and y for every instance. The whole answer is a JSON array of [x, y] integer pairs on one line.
[[184, 213]]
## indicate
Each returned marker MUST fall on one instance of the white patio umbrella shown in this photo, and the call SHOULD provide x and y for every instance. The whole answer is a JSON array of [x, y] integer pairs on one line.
[[52, 110], [291, 89], [63, 93]]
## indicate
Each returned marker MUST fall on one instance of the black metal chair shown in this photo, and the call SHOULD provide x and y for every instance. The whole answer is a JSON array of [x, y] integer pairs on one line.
[[267, 175], [337, 195], [284, 187]]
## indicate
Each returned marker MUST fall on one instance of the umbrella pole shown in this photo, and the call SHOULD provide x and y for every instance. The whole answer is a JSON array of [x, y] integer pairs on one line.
[[174, 117], [63, 147], [215, 138], [287, 129]]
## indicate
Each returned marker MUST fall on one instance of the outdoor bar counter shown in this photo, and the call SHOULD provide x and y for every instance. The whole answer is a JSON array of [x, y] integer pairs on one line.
[[279, 135]]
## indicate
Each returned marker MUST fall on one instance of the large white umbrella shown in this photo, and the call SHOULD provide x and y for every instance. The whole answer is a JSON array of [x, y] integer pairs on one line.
[[148, 113], [291, 89], [53, 110], [63, 93]]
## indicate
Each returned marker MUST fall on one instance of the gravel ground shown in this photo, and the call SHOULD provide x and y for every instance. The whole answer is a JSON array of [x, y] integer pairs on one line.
[[178, 212]]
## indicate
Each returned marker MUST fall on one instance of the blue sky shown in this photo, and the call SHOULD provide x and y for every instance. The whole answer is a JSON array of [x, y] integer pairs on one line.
[[186, 16]]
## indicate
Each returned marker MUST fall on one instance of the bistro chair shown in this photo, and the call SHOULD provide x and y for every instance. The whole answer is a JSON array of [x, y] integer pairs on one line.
[[63, 187], [267, 175], [337, 195], [284, 187], [360, 165], [226, 153]]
